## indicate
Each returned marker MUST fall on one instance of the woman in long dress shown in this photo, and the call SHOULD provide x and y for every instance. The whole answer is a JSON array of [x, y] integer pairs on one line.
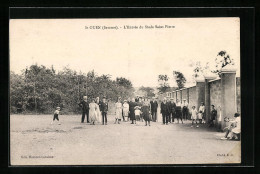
[[98, 102], [126, 110], [93, 112], [146, 112], [118, 111]]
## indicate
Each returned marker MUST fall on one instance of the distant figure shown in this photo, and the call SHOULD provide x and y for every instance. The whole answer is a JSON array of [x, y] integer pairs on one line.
[[98, 102], [132, 106], [185, 110], [140, 104], [104, 110], [172, 110], [194, 116], [85, 109], [146, 112], [118, 111], [93, 107], [178, 111], [154, 107], [164, 111], [213, 116], [201, 112], [56, 115], [125, 110], [168, 110]]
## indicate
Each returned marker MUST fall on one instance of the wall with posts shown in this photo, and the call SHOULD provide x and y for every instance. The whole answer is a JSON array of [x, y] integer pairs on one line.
[[215, 95], [223, 93], [192, 100]]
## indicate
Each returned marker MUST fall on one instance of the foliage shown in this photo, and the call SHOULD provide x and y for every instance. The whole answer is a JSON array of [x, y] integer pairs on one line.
[[199, 69], [163, 83], [148, 90], [41, 89], [222, 60], [179, 78]]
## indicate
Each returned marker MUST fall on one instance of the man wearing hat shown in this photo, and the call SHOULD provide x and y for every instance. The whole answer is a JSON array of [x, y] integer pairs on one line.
[[85, 109], [104, 110], [154, 106]]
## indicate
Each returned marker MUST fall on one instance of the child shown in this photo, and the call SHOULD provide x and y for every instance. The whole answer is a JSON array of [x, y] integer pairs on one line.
[[234, 129], [201, 112], [137, 113], [194, 115], [56, 115]]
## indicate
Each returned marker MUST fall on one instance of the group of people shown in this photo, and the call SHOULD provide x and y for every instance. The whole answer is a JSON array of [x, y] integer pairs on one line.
[[171, 110], [94, 110], [139, 109]]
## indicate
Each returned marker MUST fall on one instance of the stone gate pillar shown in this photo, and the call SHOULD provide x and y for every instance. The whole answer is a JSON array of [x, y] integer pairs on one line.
[[200, 91], [228, 93], [207, 95]]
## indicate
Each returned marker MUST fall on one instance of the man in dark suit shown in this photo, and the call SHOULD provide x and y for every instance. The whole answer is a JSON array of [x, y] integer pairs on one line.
[[172, 110], [85, 109], [154, 106], [104, 110], [164, 111]]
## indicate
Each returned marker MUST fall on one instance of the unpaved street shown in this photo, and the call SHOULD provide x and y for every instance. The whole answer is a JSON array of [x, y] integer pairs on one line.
[[34, 140]]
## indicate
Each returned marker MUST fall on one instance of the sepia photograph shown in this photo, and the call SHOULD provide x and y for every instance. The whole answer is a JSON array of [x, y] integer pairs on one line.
[[125, 91]]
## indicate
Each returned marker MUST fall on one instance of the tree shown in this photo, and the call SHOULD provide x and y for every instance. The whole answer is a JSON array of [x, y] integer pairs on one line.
[[124, 82], [41, 89], [179, 78], [163, 83], [148, 90], [199, 69], [223, 59]]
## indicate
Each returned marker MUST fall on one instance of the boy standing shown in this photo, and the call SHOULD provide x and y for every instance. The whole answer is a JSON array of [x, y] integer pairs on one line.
[[56, 115], [213, 115]]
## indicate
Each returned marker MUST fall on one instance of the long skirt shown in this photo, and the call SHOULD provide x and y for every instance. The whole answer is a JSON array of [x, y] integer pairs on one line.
[[99, 116], [132, 115], [93, 116], [125, 112], [146, 114], [119, 113]]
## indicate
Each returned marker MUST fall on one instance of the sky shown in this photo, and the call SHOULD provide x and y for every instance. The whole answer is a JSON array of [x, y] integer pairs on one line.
[[139, 55]]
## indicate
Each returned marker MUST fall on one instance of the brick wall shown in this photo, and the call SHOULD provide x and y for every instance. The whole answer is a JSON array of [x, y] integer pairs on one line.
[[192, 97], [215, 94], [179, 95], [184, 94]]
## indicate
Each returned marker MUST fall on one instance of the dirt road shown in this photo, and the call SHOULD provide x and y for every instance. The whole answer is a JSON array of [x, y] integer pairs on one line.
[[35, 141]]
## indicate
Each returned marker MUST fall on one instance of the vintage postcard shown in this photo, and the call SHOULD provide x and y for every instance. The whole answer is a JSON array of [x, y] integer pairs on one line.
[[125, 91]]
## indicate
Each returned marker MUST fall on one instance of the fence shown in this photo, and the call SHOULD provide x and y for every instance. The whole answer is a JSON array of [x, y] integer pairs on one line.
[[223, 93]]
